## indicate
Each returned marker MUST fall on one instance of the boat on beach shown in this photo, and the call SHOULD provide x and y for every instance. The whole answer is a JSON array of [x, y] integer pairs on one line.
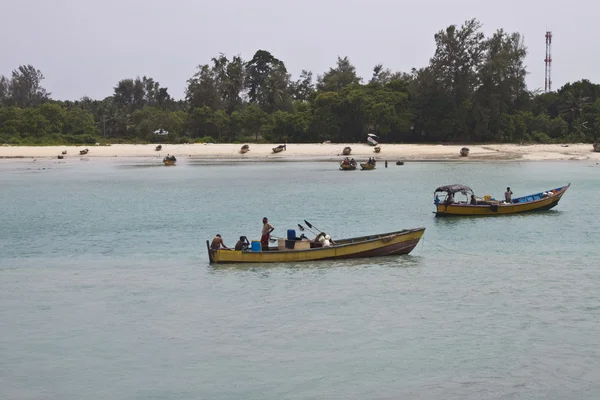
[[597, 147], [378, 245], [279, 148], [244, 149], [347, 150], [448, 206]]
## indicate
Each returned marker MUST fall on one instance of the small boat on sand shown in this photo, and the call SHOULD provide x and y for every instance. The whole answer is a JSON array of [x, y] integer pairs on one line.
[[158, 148], [597, 147], [377, 149], [245, 148], [347, 150], [60, 156], [64, 152], [279, 148], [84, 151], [464, 151], [449, 206], [298, 250]]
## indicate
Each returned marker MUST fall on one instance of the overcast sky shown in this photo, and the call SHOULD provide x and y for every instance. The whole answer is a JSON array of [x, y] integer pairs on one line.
[[84, 47]]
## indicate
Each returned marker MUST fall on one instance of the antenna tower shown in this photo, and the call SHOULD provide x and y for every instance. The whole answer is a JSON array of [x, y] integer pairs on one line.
[[548, 63]]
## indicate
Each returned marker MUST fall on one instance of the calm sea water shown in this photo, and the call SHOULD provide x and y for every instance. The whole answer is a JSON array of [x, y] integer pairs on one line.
[[106, 291]]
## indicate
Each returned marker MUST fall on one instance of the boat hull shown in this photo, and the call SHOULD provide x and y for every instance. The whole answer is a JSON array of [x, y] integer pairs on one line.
[[387, 244], [543, 204], [169, 162], [367, 166], [347, 167]]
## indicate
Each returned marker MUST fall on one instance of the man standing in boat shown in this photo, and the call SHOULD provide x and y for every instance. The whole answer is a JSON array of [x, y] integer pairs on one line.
[[266, 234], [508, 195]]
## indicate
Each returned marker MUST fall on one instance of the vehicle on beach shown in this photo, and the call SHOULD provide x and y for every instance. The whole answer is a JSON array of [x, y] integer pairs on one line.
[[474, 206], [372, 139], [302, 249]]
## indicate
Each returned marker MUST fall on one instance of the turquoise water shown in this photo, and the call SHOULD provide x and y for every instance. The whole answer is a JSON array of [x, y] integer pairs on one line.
[[106, 291]]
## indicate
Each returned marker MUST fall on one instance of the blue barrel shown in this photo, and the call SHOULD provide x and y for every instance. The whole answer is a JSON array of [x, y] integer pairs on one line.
[[255, 245], [291, 234]]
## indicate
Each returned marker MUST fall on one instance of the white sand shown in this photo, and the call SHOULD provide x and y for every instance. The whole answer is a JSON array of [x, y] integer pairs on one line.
[[298, 152]]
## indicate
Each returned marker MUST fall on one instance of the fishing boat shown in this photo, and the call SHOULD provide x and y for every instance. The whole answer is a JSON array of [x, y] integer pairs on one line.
[[279, 148], [348, 165], [169, 160], [84, 151], [347, 150], [367, 166], [399, 162], [597, 147], [377, 149], [464, 151], [379, 245], [158, 148], [244, 149], [474, 206], [64, 152], [60, 156]]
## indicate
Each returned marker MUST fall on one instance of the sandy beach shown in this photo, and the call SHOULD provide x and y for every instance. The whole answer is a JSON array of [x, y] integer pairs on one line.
[[316, 152]]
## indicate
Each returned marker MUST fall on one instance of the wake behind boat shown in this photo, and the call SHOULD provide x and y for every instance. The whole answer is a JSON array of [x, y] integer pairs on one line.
[[297, 250], [448, 206]]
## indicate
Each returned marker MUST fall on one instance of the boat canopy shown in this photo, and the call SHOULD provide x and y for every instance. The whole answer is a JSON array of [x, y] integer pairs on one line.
[[455, 189]]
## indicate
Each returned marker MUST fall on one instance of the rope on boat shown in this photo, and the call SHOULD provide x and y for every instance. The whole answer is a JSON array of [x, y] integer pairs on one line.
[[448, 249]]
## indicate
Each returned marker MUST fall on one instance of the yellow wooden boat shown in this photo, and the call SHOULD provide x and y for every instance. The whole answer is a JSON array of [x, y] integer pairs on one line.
[[169, 160], [474, 206], [367, 166], [385, 244]]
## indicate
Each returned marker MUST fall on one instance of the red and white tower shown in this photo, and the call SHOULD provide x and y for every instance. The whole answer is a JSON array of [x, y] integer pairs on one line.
[[548, 63]]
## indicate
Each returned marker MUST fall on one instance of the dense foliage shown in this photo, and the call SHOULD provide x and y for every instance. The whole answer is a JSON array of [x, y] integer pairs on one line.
[[473, 90]]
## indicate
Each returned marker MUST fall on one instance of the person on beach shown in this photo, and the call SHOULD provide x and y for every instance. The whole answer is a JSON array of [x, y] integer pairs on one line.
[[242, 244], [217, 243], [508, 195], [266, 233]]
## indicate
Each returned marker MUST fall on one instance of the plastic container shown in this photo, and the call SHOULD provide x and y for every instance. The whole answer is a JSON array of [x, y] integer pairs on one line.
[[291, 234], [255, 245]]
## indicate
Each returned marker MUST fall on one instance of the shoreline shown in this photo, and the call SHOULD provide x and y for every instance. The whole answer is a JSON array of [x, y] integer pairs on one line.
[[313, 152]]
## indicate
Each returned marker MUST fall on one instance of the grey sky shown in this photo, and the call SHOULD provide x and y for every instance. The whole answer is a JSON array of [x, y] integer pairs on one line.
[[85, 47]]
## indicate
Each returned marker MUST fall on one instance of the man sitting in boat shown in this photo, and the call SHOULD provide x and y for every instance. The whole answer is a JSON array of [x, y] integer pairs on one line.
[[324, 240], [217, 243], [242, 244], [473, 200]]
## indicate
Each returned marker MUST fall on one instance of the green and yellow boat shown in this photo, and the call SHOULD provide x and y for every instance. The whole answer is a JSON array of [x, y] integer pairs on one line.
[[473, 206], [379, 245]]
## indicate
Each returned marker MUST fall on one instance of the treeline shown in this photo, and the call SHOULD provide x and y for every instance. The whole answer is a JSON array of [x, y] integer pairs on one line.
[[473, 90]]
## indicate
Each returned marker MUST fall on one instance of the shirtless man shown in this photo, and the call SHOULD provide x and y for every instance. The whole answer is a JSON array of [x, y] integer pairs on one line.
[[217, 243], [266, 233]]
